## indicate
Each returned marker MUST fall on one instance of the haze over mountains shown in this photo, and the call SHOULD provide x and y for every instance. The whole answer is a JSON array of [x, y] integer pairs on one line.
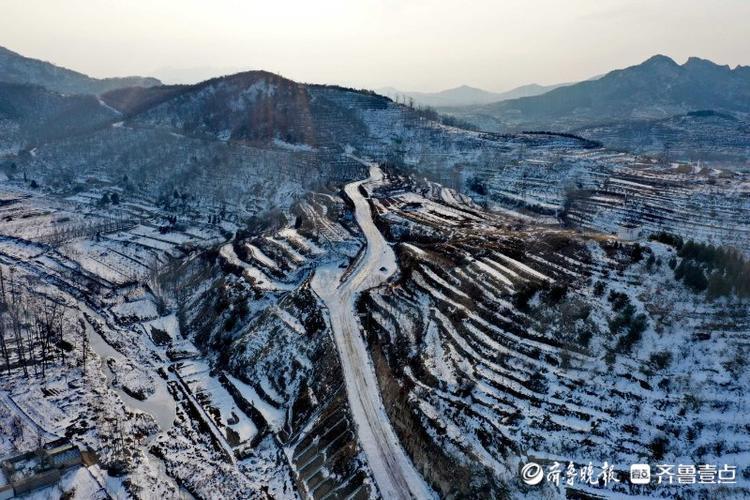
[[656, 88], [466, 95], [696, 111]]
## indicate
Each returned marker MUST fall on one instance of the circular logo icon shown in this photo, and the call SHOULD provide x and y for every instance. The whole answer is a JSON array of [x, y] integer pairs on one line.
[[532, 473]]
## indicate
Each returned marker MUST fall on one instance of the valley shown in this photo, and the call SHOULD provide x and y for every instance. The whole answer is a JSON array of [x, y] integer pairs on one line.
[[392, 469], [446, 326], [252, 287]]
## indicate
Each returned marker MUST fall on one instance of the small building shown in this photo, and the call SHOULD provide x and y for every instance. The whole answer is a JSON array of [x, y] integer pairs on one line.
[[6, 489], [40, 468]]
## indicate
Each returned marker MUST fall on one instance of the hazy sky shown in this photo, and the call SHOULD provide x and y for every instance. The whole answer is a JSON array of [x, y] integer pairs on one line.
[[408, 44]]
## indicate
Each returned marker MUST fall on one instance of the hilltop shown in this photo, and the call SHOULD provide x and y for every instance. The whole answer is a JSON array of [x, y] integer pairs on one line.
[[15, 68]]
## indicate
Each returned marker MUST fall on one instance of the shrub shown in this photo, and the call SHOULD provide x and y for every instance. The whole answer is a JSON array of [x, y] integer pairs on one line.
[[621, 320], [694, 277], [667, 238], [537, 382], [230, 323], [661, 360], [636, 253], [635, 328], [555, 294], [585, 335], [727, 268], [658, 447], [104, 200], [719, 285], [618, 300], [524, 294], [610, 358], [477, 185]]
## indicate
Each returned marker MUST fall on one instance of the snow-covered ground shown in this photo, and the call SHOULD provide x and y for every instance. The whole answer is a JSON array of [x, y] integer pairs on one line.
[[208, 352], [392, 469]]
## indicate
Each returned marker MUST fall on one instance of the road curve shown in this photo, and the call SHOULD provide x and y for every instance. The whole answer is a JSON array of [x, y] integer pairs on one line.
[[392, 469]]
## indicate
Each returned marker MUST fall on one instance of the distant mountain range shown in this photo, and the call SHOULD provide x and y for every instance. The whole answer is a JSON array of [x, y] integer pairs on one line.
[[465, 95], [656, 107], [15, 68], [655, 89], [237, 234]]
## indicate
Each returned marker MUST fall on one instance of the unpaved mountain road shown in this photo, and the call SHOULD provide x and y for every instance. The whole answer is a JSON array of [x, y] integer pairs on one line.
[[392, 469]]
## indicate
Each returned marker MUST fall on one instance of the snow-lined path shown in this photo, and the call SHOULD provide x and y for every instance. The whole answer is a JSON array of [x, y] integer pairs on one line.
[[392, 469]]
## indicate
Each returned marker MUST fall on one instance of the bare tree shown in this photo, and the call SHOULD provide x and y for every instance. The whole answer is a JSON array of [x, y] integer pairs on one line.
[[16, 318], [49, 322], [31, 327], [84, 334], [3, 310]]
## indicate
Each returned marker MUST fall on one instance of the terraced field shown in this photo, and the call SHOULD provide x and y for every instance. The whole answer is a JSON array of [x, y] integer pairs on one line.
[[258, 314], [547, 328], [619, 194], [514, 341]]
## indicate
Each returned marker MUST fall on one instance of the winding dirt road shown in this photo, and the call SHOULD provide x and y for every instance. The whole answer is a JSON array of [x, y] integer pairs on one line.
[[392, 469]]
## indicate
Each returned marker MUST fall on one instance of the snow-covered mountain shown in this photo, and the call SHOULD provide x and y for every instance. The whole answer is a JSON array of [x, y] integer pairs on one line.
[[34, 114], [15, 68], [658, 106], [252, 287], [656, 88]]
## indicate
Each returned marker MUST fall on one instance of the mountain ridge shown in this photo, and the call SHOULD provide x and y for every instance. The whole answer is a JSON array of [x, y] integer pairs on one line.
[[466, 95], [656, 88], [16, 68]]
